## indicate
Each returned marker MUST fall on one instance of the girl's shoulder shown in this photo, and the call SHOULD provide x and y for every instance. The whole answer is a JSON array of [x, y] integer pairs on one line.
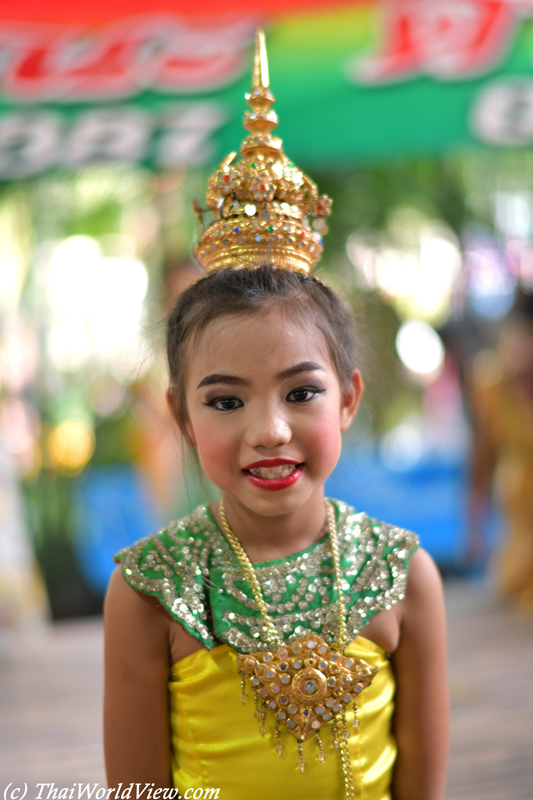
[[184, 537], [173, 565], [375, 557], [374, 536]]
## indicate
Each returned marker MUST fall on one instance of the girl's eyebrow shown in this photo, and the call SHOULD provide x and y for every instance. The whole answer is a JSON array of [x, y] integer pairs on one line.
[[303, 366], [217, 378]]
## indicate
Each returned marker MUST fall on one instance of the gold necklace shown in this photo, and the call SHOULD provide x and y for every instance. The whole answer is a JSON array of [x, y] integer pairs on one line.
[[309, 683]]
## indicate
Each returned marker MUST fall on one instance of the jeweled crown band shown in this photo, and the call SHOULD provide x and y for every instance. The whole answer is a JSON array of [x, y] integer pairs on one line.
[[265, 209]]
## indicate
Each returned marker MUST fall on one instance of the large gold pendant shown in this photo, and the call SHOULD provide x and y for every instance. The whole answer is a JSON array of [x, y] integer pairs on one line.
[[305, 684]]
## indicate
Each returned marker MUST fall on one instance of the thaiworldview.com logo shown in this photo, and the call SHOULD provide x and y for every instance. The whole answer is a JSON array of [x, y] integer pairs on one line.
[[95, 791]]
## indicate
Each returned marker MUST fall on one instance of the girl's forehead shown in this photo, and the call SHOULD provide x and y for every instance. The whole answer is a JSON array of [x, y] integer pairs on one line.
[[261, 337]]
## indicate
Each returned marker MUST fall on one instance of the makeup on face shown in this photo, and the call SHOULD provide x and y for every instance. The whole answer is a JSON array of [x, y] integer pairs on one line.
[[273, 474], [264, 403]]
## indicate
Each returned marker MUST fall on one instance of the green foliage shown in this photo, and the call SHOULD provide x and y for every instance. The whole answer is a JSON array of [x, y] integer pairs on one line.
[[116, 441], [51, 517]]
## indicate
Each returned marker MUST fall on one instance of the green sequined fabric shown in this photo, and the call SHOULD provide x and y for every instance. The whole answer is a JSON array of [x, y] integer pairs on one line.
[[193, 571]]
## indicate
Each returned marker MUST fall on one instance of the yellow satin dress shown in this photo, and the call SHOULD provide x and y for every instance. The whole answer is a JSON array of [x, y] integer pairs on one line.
[[217, 745]]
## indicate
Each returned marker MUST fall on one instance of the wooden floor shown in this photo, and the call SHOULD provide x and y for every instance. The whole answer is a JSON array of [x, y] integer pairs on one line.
[[51, 695], [491, 689]]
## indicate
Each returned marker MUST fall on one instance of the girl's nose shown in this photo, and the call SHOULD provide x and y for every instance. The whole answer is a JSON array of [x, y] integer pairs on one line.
[[268, 429]]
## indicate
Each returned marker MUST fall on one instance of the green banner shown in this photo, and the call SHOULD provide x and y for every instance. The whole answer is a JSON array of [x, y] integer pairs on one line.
[[352, 84]]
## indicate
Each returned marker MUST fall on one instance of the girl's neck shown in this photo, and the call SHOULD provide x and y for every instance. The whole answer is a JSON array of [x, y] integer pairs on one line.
[[265, 538]]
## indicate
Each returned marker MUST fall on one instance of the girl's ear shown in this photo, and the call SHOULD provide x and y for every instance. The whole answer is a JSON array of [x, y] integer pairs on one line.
[[350, 400], [183, 424]]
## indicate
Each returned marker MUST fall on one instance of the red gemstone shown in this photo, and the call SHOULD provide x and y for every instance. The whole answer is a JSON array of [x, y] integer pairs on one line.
[[262, 188], [320, 208], [226, 178]]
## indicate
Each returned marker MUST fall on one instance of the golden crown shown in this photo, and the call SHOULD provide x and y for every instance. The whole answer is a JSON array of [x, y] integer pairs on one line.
[[265, 210]]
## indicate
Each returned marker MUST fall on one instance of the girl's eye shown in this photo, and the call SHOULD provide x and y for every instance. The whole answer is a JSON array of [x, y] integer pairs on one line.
[[304, 394], [225, 403]]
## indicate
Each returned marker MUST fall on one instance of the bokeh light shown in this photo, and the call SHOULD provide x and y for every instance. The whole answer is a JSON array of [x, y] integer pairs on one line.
[[490, 284], [98, 305], [420, 349], [70, 445], [19, 356], [403, 447], [73, 281], [19, 434], [416, 265]]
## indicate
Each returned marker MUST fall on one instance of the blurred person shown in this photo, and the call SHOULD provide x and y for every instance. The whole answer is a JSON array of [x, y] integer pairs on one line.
[[502, 456]]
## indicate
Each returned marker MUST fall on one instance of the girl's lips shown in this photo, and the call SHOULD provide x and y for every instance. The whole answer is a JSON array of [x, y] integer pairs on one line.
[[274, 484], [271, 462]]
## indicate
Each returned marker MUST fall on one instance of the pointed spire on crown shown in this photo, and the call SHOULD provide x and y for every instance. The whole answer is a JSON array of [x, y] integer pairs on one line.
[[260, 78], [262, 119], [265, 209]]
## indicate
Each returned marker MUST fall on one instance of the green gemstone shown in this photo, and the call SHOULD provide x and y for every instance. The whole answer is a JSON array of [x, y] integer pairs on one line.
[[254, 165], [270, 228]]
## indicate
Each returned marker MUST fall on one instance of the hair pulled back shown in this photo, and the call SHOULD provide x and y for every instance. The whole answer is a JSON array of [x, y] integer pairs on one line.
[[228, 292]]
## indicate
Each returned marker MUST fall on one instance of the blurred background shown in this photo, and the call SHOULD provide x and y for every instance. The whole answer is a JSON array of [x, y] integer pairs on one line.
[[416, 117]]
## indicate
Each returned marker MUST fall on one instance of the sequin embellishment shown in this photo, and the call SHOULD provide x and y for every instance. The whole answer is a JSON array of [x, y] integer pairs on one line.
[[184, 563]]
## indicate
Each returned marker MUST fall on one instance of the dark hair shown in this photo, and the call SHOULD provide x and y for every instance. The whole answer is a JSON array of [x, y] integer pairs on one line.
[[244, 291]]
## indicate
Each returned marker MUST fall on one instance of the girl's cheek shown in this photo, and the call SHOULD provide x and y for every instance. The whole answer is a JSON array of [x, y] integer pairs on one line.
[[214, 453], [325, 438]]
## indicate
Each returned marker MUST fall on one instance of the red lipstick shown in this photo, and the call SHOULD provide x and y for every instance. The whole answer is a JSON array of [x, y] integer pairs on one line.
[[273, 484]]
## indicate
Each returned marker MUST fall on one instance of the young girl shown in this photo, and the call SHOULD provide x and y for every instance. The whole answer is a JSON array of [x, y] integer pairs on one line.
[[274, 644]]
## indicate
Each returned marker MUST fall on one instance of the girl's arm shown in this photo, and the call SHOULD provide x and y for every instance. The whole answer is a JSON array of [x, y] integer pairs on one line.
[[421, 720], [136, 706]]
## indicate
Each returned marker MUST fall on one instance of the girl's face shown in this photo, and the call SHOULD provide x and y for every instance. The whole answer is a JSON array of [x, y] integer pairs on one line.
[[266, 410]]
